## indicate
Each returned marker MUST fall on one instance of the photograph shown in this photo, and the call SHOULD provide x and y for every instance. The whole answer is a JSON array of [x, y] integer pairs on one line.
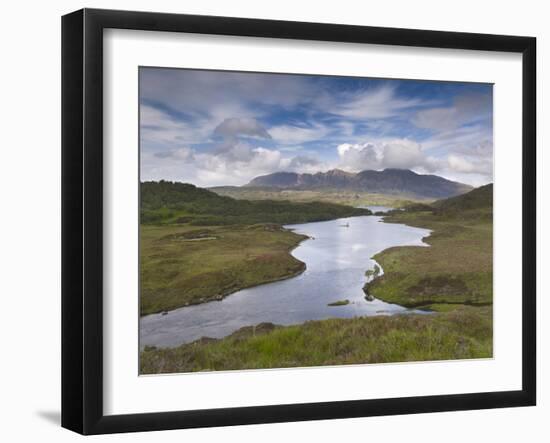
[[291, 220], [254, 222]]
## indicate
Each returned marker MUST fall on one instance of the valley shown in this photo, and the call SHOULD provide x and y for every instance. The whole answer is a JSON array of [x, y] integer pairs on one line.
[[452, 279]]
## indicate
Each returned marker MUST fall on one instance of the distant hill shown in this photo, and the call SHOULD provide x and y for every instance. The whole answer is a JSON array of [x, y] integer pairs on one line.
[[479, 198], [402, 182], [173, 202], [475, 204]]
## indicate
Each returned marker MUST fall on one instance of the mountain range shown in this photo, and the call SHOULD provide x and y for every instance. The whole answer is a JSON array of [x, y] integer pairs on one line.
[[388, 181]]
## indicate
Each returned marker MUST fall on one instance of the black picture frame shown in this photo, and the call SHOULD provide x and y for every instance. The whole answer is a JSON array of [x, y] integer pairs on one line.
[[82, 219]]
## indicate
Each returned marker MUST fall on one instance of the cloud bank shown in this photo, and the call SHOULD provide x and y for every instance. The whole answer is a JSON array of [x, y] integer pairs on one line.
[[224, 128]]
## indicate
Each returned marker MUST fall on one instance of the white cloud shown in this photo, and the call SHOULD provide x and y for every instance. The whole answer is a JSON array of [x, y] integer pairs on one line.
[[470, 165], [304, 164], [233, 127], [265, 159], [376, 103], [236, 164], [403, 154], [466, 153], [397, 153], [466, 109], [437, 118], [462, 137], [293, 135], [222, 94], [156, 127], [356, 157], [233, 160], [182, 154], [347, 128]]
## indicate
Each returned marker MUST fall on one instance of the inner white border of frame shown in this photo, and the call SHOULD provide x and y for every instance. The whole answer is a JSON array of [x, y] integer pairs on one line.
[[126, 392]]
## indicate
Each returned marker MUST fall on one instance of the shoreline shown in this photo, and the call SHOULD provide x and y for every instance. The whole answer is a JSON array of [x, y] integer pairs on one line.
[[223, 295], [305, 236], [443, 277], [381, 274], [377, 339]]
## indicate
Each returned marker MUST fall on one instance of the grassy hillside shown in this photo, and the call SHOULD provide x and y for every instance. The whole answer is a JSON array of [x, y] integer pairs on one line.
[[462, 333], [480, 199], [458, 267], [168, 202]]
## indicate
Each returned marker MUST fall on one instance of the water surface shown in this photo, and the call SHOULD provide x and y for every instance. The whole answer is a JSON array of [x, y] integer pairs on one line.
[[337, 256], [379, 208]]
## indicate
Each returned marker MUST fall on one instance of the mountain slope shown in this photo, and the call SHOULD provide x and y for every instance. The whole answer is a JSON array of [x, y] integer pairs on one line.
[[389, 181], [172, 202], [478, 198]]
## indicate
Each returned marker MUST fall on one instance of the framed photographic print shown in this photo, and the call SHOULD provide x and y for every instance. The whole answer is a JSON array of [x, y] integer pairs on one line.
[[269, 221]]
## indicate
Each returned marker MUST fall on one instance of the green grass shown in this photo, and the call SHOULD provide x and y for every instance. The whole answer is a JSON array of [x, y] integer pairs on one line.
[[479, 198], [460, 334], [182, 265], [453, 278], [456, 269]]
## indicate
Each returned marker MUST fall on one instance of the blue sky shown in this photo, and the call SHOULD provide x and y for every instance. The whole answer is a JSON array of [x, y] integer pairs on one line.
[[215, 128]]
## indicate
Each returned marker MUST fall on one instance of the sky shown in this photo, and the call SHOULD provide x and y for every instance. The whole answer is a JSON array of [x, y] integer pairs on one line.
[[214, 128]]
